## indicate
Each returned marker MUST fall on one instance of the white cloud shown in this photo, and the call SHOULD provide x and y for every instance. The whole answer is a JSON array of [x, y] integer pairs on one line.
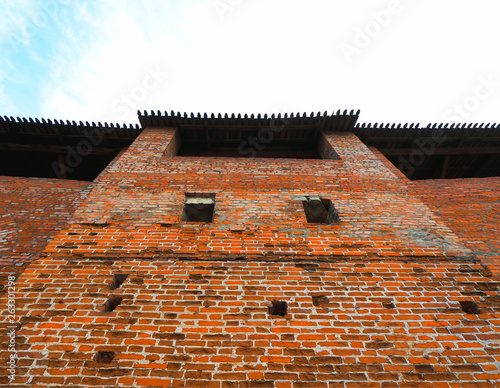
[[6, 105], [14, 19], [263, 55], [87, 82], [21, 21]]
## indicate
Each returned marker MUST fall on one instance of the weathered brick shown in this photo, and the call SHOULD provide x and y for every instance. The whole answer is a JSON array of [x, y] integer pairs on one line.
[[373, 300]]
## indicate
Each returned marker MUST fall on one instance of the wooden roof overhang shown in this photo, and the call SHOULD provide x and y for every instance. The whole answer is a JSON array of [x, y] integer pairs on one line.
[[55, 136], [285, 134], [465, 150], [437, 151]]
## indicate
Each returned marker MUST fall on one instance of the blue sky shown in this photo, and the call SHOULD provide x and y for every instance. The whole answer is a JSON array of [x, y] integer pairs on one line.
[[397, 61]]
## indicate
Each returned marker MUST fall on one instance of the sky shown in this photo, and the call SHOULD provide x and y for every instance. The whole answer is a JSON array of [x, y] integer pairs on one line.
[[397, 61]]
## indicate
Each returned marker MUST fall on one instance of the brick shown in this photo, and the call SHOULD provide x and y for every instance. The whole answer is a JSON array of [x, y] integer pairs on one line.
[[373, 300]]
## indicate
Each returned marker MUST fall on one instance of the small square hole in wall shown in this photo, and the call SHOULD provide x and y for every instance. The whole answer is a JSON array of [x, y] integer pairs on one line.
[[278, 307], [320, 300], [112, 303], [198, 207], [103, 357], [320, 210], [388, 305], [118, 280], [469, 307]]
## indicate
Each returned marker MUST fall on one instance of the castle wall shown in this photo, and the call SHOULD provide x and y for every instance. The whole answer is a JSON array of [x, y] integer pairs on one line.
[[387, 297], [185, 323], [135, 207], [32, 211], [471, 209]]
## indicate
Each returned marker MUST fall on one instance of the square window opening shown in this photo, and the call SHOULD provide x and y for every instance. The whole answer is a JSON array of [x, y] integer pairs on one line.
[[112, 303], [198, 207], [469, 307], [278, 307], [118, 280], [320, 210], [103, 357]]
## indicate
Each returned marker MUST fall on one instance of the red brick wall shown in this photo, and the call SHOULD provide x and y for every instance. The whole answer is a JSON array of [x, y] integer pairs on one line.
[[389, 278], [388, 164], [471, 208], [32, 211], [258, 211], [386, 323]]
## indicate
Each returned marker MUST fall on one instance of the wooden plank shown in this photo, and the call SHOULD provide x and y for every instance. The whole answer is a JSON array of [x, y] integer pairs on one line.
[[443, 151], [445, 167], [53, 148]]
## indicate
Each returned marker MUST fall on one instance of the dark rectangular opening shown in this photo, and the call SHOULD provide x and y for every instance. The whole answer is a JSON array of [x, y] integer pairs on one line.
[[112, 303], [118, 280], [274, 141], [278, 307], [198, 207], [52, 165], [469, 307], [103, 357], [320, 210]]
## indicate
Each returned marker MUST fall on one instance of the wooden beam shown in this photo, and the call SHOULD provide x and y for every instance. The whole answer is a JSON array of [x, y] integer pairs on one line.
[[443, 151], [488, 167], [207, 138], [368, 138], [445, 167], [236, 143], [53, 148], [62, 166]]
